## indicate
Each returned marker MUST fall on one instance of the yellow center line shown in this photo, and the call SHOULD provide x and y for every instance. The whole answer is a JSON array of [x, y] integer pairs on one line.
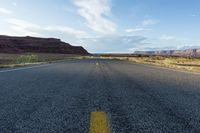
[[97, 64], [99, 123]]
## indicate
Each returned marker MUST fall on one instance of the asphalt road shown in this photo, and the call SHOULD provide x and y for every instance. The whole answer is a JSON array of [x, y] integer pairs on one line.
[[136, 98]]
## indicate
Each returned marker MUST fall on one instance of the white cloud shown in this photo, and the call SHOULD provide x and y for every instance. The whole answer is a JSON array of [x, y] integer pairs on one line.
[[5, 11], [132, 30], [151, 48], [112, 43], [95, 13], [22, 24], [149, 22], [167, 37], [14, 3], [27, 28], [23, 27], [68, 30], [195, 15], [22, 31]]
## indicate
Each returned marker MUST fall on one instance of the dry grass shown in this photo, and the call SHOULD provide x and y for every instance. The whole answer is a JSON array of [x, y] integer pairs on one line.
[[181, 63], [17, 60]]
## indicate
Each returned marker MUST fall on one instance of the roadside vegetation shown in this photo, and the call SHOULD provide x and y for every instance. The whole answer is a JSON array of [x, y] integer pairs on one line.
[[23, 59], [181, 63], [17, 60]]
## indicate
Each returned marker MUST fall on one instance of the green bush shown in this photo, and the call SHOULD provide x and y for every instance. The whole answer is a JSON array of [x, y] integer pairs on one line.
[[27, 59]]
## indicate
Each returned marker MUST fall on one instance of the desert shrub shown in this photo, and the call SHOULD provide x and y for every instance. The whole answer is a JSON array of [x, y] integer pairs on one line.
[[27, 59], [158, 58]]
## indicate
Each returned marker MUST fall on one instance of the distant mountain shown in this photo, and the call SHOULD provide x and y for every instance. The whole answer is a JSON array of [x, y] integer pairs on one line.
[[187, 52], [189, 47], [28, 44]]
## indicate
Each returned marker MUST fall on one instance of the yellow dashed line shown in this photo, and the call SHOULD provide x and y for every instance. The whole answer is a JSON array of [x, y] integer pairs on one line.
[[99, 123]]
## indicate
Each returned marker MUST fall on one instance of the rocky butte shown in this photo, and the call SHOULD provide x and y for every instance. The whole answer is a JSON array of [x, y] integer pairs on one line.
[[187, 52], [29, 44]]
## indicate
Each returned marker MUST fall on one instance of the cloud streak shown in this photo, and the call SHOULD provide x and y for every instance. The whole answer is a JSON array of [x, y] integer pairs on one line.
[[96, 13], [14, 3], [27, 28], [167, 37], [5, 11], [148, 22], [136, 30], [113, 43]]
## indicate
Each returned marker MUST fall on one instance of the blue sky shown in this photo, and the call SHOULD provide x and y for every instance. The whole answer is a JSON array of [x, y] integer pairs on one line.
[[106, 25]]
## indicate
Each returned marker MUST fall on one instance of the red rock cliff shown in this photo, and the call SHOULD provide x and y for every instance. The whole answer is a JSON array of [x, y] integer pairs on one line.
[[37, 45]]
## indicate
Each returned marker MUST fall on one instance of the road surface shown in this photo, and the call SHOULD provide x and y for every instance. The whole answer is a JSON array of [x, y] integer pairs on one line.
[[72, 96]]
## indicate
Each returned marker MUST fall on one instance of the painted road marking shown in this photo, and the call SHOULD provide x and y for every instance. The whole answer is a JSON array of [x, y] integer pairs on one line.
[[99, 123], [97, 64]]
